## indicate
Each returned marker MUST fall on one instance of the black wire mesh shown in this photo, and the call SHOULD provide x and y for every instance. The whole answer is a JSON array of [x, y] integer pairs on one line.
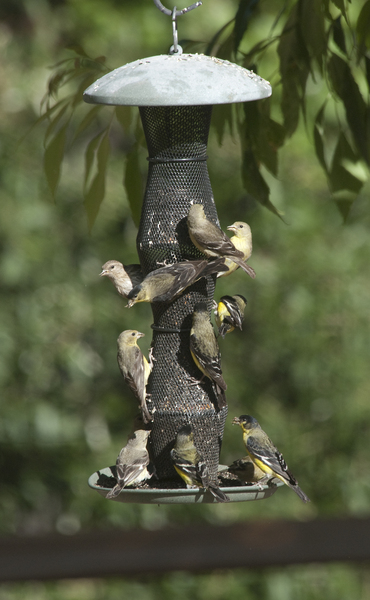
[[178, 176]]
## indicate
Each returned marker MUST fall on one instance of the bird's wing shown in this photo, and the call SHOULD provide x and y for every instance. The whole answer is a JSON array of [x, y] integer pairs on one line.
[[210, 365], [235, 317], [187, 467], [135, 378], [221, 244], [135, 274], [184, 274], [269, 455], [126, 474]]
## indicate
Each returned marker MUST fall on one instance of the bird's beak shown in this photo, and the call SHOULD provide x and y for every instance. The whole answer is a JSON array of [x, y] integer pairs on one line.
[[104, 272], [236, 421], [231, 228], [139, 334]]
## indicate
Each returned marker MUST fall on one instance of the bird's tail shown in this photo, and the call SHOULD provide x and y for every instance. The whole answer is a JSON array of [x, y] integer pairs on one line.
[[114, 492], [240, 262], [217, 493], [300, 493]]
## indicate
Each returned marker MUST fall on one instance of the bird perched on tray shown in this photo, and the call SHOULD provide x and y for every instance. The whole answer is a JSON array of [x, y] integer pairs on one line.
[[132, 463], [205, 351], [229, 313], [124, 277], [242, 240], [213, 242], [265, 455], [190, 465], [134, 367], [165, 283], [245, 470]]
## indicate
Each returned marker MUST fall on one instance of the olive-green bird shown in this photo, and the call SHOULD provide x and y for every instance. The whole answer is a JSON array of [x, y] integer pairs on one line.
[[166, 283], [213, 242], [134, 367], [242, 240], [132, 463], [124, 277], [205, 351], [265, 455], [229, 313], [190, 465]]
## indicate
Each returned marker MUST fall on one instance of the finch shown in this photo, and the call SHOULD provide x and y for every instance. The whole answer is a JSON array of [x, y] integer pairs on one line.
[[190, 465], [132, 463], [124, 277], [165, 283], [134, 367], [265, 455], [213, 242], [246, 470], [242, 241], [205, 351], [230, 313]]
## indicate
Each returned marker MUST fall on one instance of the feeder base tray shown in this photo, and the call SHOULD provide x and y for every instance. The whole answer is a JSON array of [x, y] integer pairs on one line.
[[244, 493]]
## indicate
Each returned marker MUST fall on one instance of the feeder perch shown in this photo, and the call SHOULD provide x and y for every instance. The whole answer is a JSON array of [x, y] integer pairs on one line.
[[175, 94]]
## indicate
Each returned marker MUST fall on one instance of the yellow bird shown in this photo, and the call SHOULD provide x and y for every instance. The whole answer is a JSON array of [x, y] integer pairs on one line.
[[229, 313], [132, 463], [213, 242], [265, 455], [190, 465], [242, 240]]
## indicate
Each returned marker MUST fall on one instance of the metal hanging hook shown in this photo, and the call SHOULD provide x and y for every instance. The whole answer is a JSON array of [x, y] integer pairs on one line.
[[169, 12], [175, 48]]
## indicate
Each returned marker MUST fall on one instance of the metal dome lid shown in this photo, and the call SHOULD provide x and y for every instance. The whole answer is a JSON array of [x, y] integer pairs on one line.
[[177, 80]]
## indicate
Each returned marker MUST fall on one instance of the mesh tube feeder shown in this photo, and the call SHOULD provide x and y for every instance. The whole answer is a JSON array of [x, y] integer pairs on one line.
[[175, 94]]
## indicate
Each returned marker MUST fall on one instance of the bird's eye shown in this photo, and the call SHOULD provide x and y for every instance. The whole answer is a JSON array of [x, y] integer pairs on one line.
[[240, 226], [133, 334], [112, 267]]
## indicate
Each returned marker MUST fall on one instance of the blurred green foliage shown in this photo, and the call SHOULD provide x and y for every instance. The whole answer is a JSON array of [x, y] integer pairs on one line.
[[300, 365]]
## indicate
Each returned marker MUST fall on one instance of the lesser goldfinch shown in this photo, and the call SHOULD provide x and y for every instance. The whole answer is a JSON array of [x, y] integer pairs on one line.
[[124, 277], [132, 463], [265, 455], [134, 367], [246, 470], [190, 465], [212, 241], [205, 351], [164, 284], [242, 240], [230, 313]]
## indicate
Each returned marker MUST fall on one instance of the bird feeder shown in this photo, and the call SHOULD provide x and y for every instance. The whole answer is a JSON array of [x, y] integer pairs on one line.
[[175, 94]]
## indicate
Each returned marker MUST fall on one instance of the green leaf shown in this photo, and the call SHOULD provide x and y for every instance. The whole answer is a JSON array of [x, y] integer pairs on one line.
[[90, 154], [124, 117], [338, 35], [96, 191], [318, 135], [133, 183], [363, 28], [221, 117], [77, 49], [54, 123], [243, 16], [53, 157], [339, 177], [348, 91], [87, 120], [254, 183], [344, 204], [312, 29], [263, 135], [294, 69], [341, 6]]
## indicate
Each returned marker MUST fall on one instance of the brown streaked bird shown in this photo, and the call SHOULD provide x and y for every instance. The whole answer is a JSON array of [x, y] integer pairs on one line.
[[212, 241], [205, 351], [134, 367], [265, 455], [166, 283], [190, 465], [245, 470], [132, 463], [124, 277], [230, 313]]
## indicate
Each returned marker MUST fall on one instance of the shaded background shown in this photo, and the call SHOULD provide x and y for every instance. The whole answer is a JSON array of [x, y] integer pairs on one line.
[[300, 366]]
